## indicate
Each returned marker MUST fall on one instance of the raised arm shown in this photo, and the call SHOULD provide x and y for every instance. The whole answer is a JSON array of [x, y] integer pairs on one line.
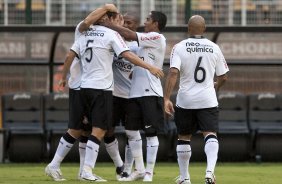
[[169, 86], [124, 32], [131, 57], [95, 15]]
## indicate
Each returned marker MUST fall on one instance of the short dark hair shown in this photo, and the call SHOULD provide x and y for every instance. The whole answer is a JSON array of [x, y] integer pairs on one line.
[[160, 18], [112, 14]]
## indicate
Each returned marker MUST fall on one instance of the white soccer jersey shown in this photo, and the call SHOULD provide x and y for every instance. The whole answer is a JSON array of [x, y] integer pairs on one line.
[[122, 69], [75, 69], [96, 50], [152, 50], [198, 60]]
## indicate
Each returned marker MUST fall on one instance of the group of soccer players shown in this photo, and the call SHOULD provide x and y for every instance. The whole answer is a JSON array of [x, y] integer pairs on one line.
[[115, 77]]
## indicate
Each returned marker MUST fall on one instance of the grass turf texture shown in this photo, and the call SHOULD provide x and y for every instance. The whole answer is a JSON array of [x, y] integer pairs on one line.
[[226, 173]]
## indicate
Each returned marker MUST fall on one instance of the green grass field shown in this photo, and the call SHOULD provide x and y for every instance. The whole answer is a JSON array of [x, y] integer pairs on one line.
[[226, 173]]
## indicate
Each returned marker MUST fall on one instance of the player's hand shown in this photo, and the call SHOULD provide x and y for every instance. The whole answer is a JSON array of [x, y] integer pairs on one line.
[[111, 8], [120, 20], [168, 107], [62, 84], [156, 71]]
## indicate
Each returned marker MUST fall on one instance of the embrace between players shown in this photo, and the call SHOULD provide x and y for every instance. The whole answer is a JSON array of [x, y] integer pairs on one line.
[[109, 84]]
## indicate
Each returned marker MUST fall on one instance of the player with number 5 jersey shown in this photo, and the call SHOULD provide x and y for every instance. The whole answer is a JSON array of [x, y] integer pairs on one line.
[[96, 49]]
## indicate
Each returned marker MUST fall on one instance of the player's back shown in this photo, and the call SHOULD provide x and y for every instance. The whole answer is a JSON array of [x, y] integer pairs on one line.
[[199, 58], [96, 50]]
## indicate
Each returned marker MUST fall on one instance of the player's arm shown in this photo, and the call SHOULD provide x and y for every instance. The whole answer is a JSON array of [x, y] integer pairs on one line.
[[68, 61], [169, 86], [126, 33], [220, 81], [131, 57], [95, 15]]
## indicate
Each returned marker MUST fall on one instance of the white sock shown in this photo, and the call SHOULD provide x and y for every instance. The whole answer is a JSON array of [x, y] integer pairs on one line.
[[113, 151], [183, 157], [135, 143], [128, 160], [92, 150], [61, 152], [82, 151], [152, 151], [211, 150]]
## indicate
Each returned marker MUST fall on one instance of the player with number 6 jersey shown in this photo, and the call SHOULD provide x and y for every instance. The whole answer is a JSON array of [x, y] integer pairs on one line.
[[197, 61]]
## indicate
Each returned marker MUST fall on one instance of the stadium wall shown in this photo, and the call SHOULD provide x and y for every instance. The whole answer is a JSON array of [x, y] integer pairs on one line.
[[31, 57]]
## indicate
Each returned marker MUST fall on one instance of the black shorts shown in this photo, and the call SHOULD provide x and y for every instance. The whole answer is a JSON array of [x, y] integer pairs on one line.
[[120, 110], [99, 105], [145, 111], [77, 112], [189, 121]]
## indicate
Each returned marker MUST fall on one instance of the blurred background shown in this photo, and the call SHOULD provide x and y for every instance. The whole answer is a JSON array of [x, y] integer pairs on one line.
[[35, 35], [37, 55]]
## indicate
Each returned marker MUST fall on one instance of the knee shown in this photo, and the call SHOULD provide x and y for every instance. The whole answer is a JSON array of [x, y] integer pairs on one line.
[[133, 134], [150, 131]]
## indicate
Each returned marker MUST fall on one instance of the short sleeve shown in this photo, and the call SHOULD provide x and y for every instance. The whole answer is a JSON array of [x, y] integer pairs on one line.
[[175, 61], [75, 48], [221, 65], [76, 32], [118, 44]]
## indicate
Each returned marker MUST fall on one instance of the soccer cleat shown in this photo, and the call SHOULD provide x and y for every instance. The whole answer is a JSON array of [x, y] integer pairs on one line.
[[185, 181], [182, 181], [87, 175], [120, 173], [210, 178], [55, 174], [148, 177], [136, 175], [99, 178]]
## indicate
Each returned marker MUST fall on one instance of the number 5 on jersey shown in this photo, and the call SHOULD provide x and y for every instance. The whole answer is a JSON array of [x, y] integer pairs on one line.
[[90, 50]]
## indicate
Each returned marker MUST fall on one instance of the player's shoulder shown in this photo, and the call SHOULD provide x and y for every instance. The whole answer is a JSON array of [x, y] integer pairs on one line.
[[209, 42], [181, 43], [150, 36]]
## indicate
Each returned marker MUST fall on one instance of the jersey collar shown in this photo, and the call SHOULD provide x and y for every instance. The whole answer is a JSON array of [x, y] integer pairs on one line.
[[197, 36]]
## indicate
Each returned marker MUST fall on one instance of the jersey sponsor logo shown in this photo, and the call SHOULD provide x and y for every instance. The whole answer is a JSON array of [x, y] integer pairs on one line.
[[150, 38], [124, 66], [94, 32], [100, 34], [197, 47]]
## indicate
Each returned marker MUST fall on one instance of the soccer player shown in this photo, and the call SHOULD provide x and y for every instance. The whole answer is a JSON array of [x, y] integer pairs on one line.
[[77, 129], [122, 70], [95, 51], [146, 103], [197, 60]]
